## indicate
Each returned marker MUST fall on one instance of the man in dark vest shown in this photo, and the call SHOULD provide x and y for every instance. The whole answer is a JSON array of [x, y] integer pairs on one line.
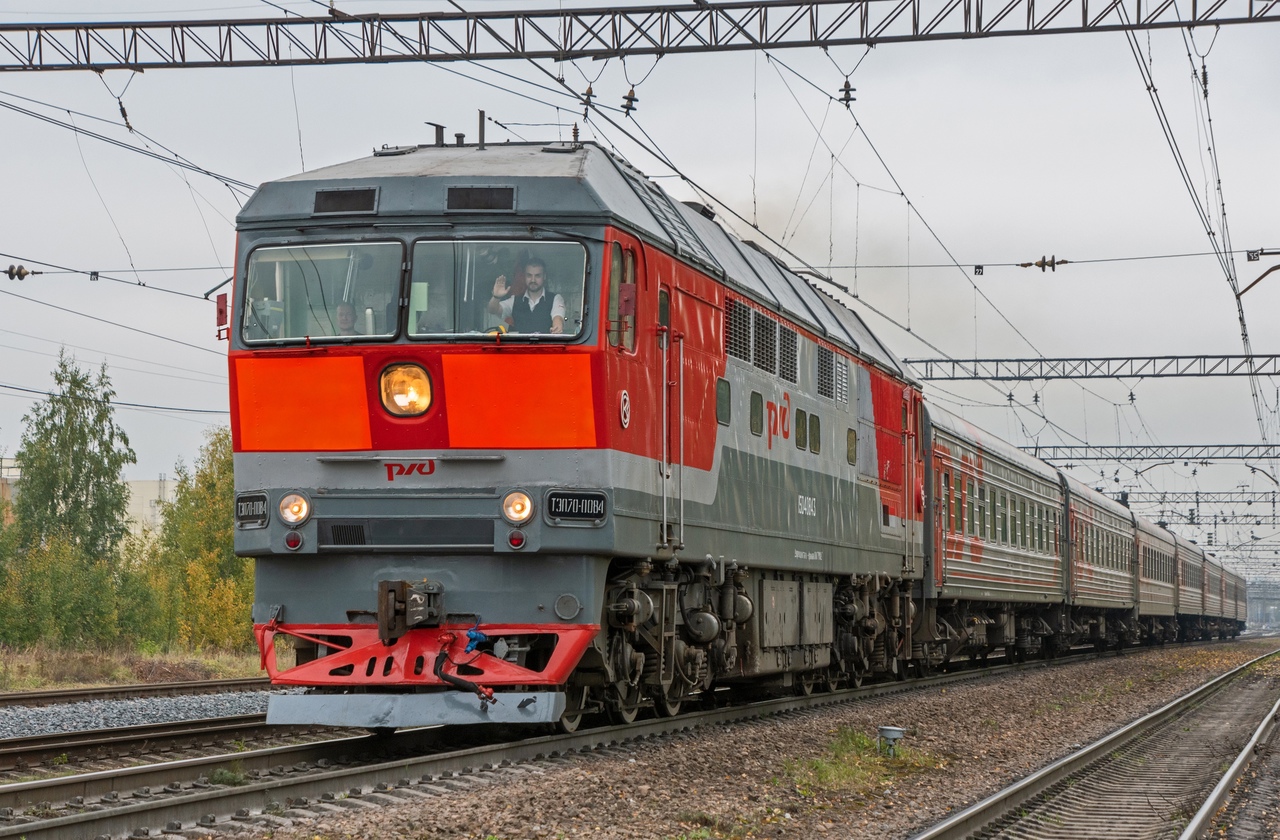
[[535, 311]]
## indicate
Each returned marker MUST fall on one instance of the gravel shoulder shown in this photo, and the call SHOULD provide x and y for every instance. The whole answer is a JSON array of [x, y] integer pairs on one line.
[[774, 778]]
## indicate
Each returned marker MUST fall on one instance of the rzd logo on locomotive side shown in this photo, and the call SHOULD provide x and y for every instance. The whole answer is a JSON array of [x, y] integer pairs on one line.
[[395, 470], [779, 418]]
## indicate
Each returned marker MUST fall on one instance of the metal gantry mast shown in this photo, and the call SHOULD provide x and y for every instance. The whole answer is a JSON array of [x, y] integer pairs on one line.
[[1120, 367], [1123, 452], [596, 33]]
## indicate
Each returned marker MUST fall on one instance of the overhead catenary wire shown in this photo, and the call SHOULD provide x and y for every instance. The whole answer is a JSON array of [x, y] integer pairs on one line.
[[142, 406], [99, 275], [652, 148], [174, 161], [112, 323]]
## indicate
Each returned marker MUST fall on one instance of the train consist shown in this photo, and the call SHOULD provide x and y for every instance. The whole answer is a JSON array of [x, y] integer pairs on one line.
[[519, 438]]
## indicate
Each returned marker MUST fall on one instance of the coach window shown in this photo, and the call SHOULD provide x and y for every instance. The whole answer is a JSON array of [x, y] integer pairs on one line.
[[1004, 519], [802, 429], [724, 402], [1022, 523], [851, 446], [338, 291], [958, 518], [945, 498], [982, 510], [973, 525], [757, 413], [815, 434]]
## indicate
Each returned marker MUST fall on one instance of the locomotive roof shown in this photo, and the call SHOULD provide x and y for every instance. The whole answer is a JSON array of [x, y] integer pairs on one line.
[[565, 183]]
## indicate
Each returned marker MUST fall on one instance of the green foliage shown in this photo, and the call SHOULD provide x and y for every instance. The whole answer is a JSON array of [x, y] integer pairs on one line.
[[71, 457], [207, 591], [53, 593], [71, 575]]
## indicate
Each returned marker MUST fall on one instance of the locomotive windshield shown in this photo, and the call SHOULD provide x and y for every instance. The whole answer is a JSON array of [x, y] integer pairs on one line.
[[317, 292], [524, 288]]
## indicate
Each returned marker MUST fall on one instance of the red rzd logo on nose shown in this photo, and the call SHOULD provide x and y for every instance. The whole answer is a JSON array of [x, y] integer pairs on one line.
[[395, 470]]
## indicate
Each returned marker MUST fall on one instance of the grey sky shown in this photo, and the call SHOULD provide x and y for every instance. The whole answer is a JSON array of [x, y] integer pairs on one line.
[[1008, 148]]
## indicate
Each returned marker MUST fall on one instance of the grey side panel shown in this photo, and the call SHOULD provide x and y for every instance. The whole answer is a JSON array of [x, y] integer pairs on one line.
[[779, 613]]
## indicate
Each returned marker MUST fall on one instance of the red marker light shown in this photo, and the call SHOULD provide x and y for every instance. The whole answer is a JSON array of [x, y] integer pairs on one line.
[[516, 539], [293, 541]]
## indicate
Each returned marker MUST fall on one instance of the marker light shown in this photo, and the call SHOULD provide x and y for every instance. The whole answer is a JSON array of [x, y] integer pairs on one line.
[[294, 509], [406, 390], [516, 539], [293, 540], [517, 507]]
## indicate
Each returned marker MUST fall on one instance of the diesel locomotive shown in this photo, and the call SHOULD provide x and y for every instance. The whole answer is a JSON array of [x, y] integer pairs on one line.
[[520, 438]]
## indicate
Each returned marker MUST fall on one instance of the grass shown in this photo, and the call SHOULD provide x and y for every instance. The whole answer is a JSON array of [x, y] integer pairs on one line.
[[232, 777], [41, 668], [851, 763]]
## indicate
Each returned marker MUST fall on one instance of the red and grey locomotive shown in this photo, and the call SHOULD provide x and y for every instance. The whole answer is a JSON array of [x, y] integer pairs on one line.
[[519, 438]]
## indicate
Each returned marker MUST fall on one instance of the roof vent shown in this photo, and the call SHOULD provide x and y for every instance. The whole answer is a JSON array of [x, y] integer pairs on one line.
[[703, 210], [481, 198], [355, 200]]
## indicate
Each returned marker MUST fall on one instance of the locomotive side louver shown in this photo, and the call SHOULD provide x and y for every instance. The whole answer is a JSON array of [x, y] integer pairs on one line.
[[346, 534]]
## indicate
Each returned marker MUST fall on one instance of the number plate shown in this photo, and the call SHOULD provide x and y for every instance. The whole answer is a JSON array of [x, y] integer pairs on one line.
[[251, 510], [562, 504]]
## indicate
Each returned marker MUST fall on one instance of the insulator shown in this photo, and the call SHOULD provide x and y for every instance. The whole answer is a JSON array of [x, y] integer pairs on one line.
[[629, 101], [846, 93], [17, 272]]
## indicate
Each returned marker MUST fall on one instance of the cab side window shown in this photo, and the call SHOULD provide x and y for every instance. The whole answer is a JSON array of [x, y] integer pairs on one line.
[[622, 298]]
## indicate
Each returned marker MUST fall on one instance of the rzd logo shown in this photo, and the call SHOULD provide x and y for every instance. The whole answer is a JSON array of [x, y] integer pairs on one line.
[[395, 470]]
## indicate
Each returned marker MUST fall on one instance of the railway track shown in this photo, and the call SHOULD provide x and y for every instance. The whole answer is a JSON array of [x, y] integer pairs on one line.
[[61, 750], [130, 692], [308, 779], [1152, 779], [311, 778], [1253, 806]]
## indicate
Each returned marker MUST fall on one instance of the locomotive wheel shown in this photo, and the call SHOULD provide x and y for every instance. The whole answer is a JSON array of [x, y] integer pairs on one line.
[[805, 683], [572, 717], [667, 706], [628, 704]]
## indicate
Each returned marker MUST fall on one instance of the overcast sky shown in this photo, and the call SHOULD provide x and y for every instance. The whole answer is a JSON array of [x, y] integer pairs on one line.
[[1006, 150]]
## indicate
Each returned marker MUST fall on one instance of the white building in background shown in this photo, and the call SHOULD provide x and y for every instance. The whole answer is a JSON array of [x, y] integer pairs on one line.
[[145, 497], [145, 501]]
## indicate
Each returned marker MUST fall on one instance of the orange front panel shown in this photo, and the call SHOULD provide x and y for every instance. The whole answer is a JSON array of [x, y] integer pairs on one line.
[[298, 405], [519, 401]]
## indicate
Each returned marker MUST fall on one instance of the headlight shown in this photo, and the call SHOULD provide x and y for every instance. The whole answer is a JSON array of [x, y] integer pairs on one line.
[[294, 509], [517, 507], [406, 390]]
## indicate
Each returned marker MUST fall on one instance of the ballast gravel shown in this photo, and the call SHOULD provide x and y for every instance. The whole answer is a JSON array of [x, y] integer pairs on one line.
[[750, 780], [26, 721]]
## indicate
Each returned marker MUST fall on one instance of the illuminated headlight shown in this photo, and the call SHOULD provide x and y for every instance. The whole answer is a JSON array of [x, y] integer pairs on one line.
[[517, 507], [294, 509], [406, 390]]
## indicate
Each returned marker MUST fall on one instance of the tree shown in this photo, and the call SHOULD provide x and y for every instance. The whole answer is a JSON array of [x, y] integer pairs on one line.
[[71, 457], [209, 589]]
